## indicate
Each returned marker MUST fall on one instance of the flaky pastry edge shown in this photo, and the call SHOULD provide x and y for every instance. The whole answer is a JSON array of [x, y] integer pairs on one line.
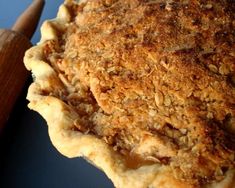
[[60, 119]]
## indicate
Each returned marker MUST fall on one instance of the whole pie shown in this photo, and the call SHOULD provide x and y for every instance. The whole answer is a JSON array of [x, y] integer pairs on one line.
[[142, 89]]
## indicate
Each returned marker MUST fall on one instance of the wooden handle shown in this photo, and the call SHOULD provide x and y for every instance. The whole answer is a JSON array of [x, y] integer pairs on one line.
[[13, 45], [27, 22], [13, 74]]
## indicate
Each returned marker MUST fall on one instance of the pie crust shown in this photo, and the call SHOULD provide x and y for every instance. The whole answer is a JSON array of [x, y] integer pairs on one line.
[[47, 95]]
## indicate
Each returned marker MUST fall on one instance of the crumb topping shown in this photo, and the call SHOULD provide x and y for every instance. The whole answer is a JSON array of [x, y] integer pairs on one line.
[[154, 79]]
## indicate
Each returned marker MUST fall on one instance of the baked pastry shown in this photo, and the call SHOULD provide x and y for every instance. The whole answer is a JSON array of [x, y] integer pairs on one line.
[[143, 89]]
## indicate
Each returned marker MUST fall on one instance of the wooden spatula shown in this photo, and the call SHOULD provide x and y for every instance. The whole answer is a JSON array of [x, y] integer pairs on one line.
[[13, 44]]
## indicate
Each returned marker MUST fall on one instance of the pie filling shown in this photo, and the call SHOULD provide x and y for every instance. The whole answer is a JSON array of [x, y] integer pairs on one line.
[[141, 77]]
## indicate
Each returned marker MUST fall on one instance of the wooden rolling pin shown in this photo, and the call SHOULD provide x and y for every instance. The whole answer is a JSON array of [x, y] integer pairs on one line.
[[13, 44]]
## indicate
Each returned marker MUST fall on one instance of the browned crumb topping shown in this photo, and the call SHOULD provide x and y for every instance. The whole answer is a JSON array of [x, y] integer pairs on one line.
[[155, 80]]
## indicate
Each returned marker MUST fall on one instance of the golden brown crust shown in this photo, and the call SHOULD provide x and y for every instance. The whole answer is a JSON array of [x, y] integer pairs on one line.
[[137, 80]]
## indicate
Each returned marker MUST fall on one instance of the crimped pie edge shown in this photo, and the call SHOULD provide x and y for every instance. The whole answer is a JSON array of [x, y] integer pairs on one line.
[[60, 118]]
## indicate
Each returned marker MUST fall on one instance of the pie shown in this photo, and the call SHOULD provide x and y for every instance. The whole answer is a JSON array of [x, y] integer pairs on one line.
[[142, 89]]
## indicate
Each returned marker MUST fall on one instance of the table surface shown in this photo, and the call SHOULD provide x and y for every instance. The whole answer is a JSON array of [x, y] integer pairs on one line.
[[28, 159]]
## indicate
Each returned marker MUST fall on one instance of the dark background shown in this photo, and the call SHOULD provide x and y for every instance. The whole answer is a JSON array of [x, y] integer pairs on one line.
[[27, 157]]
